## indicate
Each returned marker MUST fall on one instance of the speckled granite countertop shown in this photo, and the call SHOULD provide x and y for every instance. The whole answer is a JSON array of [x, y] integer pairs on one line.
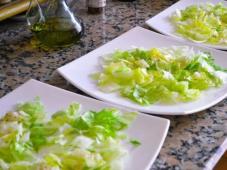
[[194, 142]]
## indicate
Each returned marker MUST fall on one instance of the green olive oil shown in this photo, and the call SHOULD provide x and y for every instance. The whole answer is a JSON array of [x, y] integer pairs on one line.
[[57, 32]]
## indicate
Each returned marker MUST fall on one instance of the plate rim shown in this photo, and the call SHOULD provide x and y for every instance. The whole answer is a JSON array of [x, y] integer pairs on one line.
[[145, 111]]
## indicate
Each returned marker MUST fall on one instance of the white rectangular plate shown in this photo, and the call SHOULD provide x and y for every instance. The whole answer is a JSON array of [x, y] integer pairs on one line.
[[162, 24], [150, 131], [78, 73]]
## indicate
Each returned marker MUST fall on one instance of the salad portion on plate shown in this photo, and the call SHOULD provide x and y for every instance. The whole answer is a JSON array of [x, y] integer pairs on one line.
[[68, 140], [203, 22], [162, 76], [159, 75], [62, 130]]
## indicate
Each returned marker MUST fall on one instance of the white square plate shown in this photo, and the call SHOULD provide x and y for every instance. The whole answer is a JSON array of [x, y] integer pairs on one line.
[[162, 24], [150, 131], [78, 73]]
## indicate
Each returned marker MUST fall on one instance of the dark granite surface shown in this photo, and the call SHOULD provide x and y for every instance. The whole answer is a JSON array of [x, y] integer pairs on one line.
[[194, 142]]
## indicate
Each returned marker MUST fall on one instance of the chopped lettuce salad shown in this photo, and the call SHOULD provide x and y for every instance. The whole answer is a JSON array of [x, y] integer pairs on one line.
[[164, 75], [66, 141], [202, 23]]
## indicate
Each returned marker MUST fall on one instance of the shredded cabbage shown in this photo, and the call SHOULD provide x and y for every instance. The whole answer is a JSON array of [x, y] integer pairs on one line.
[[165, 75], [202, 23], [68, 140]]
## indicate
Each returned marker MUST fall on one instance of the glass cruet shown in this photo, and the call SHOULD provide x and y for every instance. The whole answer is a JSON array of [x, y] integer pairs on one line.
[[53, 24]]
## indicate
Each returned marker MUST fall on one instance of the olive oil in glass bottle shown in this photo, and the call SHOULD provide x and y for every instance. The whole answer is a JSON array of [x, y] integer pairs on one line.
[[53, 24]]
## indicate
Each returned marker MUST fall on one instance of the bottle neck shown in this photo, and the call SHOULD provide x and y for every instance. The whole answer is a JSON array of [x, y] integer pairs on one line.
[[57, 8], [54, 4]]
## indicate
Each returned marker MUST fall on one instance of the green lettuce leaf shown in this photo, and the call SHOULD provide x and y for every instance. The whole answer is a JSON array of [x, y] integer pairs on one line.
[[164, 75], [67, 140], [202, 23]]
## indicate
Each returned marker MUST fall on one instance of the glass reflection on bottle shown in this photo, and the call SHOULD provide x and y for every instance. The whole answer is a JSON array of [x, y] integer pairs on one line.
[[53, 24]]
